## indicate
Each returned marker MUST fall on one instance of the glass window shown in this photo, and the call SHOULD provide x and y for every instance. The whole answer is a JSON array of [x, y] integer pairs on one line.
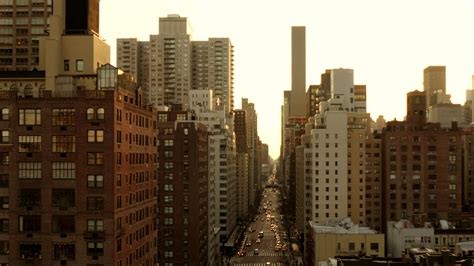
[[66, 65], [29, 170], [95, 248], [79, 65], [100, 113], [95, 180], [64, 117], [5, 136], [64, 251], [63, 197], [95, 203], [95, 158], [95, 225], [64, 170], [29, 143], [64, 143], [5, 113], [90, 113], [29, 117], [95, 135]]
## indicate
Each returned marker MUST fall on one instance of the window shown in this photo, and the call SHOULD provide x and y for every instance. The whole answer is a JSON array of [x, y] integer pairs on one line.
[[64, 198], [374, 246], [4, 225], [64, 223], [64, 251], [29, 170], [29, 223], [168, 254], [95, 135], [66, 65], [64, 143], [168, 142], [5, 113], [95, 158], [4, 203], [4, 248], [95, 225], [168, 187], [168, 199], [95, 181], [90, 114], [168, 210], [29, 198], [100, 113], [351, 246], [79, 65], [95, 248], [5, 136], [29, 117], [64, 117], [29, 143], [64, 170], [95, 203], [29, 250], [168, 221]]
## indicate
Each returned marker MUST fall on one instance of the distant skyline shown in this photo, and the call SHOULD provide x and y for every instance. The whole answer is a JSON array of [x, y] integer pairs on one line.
[[388, 44]]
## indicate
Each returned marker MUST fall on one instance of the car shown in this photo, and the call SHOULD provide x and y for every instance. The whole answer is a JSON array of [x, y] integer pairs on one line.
[[248, 244], [277, 248], [258, 241], [255, 251]]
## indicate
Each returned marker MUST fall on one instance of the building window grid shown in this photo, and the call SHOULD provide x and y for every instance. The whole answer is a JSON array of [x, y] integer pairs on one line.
[[29, 143], [29, 117], [64, 143], [29, 170]]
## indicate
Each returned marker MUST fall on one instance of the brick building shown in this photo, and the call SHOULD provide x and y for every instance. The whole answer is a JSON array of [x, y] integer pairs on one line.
[[183, 189]]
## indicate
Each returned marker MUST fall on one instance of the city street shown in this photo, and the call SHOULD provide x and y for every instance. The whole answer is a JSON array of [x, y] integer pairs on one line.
[[268, 221]]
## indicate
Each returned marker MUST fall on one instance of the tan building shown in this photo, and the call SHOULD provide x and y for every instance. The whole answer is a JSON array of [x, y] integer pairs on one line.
[[22, 24], [252, 138], [329, 241], [213, 68], [298, 71], [434, 83], [240, 129]]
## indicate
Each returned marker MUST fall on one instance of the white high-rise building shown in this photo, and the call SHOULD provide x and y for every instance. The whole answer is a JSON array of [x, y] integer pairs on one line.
[[222, 187]]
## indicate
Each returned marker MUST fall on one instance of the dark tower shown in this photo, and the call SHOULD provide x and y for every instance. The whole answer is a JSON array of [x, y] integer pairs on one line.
[[82, 16]]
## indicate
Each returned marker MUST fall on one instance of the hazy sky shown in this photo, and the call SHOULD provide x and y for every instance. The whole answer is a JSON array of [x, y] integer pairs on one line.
[[388, 43]]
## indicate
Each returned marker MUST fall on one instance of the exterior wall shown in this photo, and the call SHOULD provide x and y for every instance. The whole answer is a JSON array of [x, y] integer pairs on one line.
[[445, 114], [373, 182], [342, 87], [242, 185], [127, 55], [422, 165], [329, 245], [468, 177], [328, 167], [401, 238]]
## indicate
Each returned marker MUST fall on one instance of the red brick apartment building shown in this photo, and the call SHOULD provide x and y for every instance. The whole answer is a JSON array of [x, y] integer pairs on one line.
[[183, 189], [77, 173], [422, 167]]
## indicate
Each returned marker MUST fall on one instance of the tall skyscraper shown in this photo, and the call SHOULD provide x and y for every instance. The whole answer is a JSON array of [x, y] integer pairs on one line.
[[212, 69], [23, 23], [298, 71], [252, 138], [170, 63], [434, 84]]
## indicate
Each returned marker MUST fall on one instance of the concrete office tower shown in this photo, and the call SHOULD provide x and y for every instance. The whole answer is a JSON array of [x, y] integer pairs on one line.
[[285, 113], [170, 63], [23, 23], [298, 71], [183, 186], [422, 167], [252, 138], [222, 171], [213, 69], [434, 84], [240, 129]]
